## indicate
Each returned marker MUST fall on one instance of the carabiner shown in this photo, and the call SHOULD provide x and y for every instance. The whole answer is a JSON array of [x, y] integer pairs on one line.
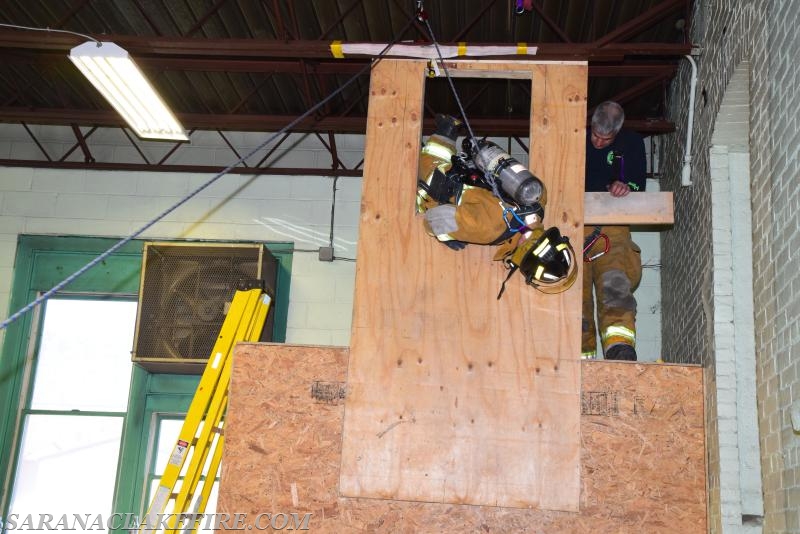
[[606, 246]]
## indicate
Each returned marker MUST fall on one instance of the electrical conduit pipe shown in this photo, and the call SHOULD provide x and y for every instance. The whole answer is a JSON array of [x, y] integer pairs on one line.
[[686, 172]]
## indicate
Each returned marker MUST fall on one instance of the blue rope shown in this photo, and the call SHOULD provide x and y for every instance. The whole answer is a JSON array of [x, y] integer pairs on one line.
[[58, 287], [522, 226]]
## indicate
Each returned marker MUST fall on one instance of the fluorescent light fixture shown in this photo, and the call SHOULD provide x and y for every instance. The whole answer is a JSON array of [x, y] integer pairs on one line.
[[120, 81]]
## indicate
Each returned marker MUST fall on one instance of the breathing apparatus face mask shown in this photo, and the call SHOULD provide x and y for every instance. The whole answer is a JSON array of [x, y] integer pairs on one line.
[[514, 179]]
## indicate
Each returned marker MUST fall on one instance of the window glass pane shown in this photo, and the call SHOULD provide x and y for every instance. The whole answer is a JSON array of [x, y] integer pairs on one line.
[[168, 430], [84, 361], [67, 465]]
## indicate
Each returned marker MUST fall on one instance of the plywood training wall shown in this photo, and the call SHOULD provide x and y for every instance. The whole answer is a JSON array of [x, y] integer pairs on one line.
[[455, 396], [642, 453]]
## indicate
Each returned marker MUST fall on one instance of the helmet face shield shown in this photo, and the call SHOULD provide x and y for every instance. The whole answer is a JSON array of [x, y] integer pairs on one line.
[[547, 261]]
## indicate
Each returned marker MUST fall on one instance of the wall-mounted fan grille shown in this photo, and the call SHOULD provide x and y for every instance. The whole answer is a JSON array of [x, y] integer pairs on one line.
[[183, 299]]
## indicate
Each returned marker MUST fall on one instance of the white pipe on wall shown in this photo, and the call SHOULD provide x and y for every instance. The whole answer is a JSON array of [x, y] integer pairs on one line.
[[686, 172]]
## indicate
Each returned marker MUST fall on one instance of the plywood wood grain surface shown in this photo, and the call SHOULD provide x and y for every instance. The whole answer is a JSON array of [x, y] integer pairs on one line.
[[455, 396]]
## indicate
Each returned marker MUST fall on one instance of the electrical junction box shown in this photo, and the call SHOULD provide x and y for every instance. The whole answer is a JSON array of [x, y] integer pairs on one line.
[[325, 253]]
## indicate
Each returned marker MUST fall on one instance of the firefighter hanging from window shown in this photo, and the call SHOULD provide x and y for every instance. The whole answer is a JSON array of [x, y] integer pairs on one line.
[[484, 196]]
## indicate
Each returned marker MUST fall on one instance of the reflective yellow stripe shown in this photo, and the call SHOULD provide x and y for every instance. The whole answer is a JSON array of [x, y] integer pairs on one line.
[[522, 48], [538, 250], [561, 246], [336, 49], [619, 331], [437, 151], [462, 48], [539, 271]]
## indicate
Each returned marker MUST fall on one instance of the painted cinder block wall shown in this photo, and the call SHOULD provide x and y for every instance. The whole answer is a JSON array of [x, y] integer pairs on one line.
[[764, 34], [235, 207]]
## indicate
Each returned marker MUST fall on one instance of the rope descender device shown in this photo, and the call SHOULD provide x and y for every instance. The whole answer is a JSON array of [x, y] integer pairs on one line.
[[420, 13]]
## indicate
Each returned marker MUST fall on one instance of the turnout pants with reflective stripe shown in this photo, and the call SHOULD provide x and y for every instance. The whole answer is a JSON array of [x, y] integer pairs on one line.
[[614, 276]]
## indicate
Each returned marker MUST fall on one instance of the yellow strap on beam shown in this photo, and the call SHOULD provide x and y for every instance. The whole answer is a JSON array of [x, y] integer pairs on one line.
[[522, 49], [336, 49], [462, 48]]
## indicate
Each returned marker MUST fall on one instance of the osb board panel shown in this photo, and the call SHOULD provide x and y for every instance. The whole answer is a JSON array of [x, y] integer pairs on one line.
[[642, 452], [482, 393]]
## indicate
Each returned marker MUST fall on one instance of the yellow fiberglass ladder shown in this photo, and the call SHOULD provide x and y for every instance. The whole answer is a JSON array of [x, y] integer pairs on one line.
[[243, 322]]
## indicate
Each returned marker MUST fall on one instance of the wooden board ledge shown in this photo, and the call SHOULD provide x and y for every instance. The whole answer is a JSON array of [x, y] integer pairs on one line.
[[634, 208]]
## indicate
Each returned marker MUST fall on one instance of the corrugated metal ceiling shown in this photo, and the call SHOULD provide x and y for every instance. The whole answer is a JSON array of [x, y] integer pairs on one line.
[[257, 64]]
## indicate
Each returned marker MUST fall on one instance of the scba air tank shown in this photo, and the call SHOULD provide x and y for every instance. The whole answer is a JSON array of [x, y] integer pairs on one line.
[[514, 178]]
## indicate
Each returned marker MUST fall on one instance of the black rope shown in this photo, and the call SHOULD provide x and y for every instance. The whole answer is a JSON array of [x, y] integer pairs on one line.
[[473, 141]]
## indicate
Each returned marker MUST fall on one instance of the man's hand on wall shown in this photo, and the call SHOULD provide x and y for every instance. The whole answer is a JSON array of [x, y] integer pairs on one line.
[[618, 189]]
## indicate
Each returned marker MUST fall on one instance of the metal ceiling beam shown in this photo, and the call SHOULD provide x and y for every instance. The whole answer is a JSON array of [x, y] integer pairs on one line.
[[176, 145], [636, 90], [146, 17], [330, 146], [468, 104], [185, 48], [423, 31], [87, 154], [282, 30], [294, 66], [555, 28], [233, 148], [272, 150], [324, 91], [359, 98], [210, 13], [642, 22], [36, 141], [69, 14], [278, 171], [308, 100], [74, 147], [293, 16], [474, 20], [500, 126], [135, 146], [632, 70], [335, 23], [255, 89], [18, 93]]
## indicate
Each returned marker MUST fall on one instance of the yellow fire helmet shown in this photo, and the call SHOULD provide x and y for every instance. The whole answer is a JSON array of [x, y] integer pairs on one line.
[[546, 260]]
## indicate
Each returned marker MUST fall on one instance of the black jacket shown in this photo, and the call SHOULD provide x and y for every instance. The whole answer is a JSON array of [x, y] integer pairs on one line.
[[630, 167]]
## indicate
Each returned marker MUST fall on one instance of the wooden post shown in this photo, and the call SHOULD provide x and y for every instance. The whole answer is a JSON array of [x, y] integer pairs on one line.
[[455, 396]]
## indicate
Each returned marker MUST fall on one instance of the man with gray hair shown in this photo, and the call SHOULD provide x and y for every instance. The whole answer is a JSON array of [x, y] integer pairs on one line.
[[615, 163]]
